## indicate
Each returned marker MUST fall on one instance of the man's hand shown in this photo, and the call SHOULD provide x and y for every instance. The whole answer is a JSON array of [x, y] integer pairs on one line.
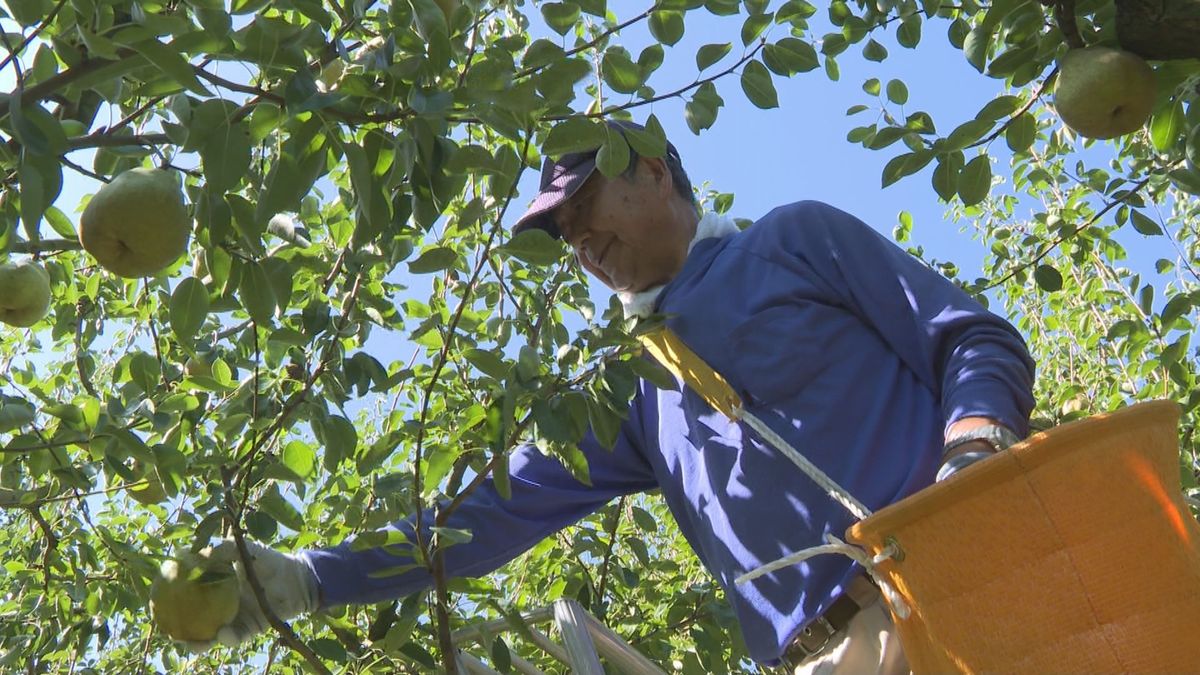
[[961, 453], [287, 581]]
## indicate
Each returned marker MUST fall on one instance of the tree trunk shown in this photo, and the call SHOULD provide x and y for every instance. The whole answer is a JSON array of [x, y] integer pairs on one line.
[[1160, 29]]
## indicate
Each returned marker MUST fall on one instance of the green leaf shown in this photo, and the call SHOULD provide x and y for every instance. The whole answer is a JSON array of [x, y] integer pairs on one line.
[[754, 26], [975, 180], [1021, 132], [908, 34], [258, 296], [1001, 106], [248, 6], [619, 71], [40, 179], [448, 536], [1166, 125], [535, 247], [560, 16], [226, 156], [897, 92], [873, 51], [650, 59], [1048, 278], [188, 308], [711, 53], [500, 478], [489, 362], [299, 459], [433, 260], [793, 11], [613, 157], [644, 520], [60, 223], [261, 526], [15, 414], [169, 62], [281, 509], [339, 437], [1144, 224], [975, 46], [650, 141], [575, 134], [790, 56], [905, 165], [666, 26], [1176, 307], [945, 176], [501, 659], [1186, 180], [701, 112], [756, 83], [652, 372]]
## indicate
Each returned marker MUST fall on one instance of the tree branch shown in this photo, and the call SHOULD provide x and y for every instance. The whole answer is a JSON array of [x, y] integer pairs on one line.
[[234, 86], [1064, 16], [108, 140], [1069, 235], [285, 631], [1024, 109], [46, 246], [445, 641], [592, 43]]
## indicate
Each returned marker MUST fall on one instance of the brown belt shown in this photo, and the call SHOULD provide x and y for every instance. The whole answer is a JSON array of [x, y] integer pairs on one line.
[[815, 636]]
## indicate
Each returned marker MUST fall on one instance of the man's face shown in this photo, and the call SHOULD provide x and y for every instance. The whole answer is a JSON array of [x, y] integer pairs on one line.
[[628, 231]]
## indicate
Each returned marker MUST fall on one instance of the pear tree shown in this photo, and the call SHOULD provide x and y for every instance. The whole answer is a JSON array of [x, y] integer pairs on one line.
[[201, 343]]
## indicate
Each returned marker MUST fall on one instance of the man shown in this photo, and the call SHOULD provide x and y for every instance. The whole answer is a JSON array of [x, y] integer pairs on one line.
[[876, 368]]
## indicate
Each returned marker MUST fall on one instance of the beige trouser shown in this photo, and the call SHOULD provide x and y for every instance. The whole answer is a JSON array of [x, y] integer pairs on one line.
[[868, 644]]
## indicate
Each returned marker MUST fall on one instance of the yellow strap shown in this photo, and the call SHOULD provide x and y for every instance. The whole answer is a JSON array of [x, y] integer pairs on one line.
[[677, 357]]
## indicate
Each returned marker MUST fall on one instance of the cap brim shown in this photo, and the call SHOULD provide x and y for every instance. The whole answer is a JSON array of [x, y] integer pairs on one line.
[[554, 195]]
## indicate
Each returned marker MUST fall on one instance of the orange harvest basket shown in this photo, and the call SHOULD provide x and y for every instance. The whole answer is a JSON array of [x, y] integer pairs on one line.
[[1072, 551]]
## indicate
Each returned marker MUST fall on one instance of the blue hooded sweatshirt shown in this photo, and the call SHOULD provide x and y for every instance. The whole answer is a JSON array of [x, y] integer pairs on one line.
[[856, 353]]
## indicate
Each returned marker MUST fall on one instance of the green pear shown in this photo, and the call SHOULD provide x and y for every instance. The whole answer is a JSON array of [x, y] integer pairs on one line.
[[1104, 92], [194, 596], [24, 293], [197, 367], [137, 224]]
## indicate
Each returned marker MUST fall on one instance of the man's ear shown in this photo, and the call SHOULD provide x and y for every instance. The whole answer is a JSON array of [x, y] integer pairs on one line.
[[660, 172]]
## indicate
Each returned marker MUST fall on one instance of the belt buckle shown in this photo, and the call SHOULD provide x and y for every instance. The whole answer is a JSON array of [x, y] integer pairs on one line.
[[810, 641]]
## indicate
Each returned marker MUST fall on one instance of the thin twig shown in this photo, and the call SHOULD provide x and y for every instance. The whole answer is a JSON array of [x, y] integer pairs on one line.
[[1024, 109], [592, 43], [1069, 235], [36, 31], [608, 549]]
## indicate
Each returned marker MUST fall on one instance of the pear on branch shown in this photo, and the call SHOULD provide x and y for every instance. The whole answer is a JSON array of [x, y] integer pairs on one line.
[[194, 596], [24, 293], [137, 224], [1104, 92]]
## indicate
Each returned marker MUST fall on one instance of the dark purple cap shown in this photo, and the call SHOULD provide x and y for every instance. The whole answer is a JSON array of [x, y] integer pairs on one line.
[[562, 178]]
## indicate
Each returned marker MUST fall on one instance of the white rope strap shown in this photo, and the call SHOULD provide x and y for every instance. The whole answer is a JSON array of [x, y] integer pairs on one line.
[[836, 492], [835, 545]]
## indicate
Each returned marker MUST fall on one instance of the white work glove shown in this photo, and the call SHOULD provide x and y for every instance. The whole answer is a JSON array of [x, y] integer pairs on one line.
[[287, 581]]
